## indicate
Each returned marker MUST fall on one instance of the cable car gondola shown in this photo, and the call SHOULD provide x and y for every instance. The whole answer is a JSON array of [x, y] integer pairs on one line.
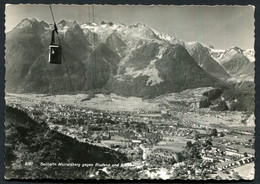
[[54, 49]]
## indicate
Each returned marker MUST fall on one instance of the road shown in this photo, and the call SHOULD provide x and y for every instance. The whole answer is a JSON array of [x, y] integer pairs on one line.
[[144, 152]]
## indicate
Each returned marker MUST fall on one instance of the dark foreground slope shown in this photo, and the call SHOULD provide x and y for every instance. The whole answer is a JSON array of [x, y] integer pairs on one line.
[[29, 141]]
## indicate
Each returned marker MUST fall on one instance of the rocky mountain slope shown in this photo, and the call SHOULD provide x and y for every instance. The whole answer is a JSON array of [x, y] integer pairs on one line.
[[237, 62], [202, 56], [27, 68], [132, 60], [173, 71]]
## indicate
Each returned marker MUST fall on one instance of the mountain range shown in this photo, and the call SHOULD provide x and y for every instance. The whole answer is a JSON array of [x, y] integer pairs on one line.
[[132, 60]]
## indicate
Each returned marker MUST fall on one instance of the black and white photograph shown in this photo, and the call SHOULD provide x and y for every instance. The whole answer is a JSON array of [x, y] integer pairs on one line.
[[129, 92]]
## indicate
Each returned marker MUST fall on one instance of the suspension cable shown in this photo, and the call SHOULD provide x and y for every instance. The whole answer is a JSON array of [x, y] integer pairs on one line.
[[52, 15], [63, 56]]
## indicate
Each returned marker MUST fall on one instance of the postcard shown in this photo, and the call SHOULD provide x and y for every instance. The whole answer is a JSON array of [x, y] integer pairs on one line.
[[129, 92]]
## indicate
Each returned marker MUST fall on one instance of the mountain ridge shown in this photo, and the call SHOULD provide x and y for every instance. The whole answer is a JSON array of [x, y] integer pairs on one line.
[[134, 53]]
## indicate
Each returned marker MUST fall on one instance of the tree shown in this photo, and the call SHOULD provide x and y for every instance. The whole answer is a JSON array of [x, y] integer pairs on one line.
[[214, 132], [208, 142], [197, 136], [127, 124], [178, 157], [222, 134], [188, 144]]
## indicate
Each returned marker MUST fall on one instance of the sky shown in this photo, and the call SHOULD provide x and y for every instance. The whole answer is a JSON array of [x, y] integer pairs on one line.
[[219, 26]]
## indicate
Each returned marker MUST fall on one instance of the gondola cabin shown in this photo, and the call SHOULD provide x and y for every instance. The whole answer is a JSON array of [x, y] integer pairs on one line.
[[54, 54]]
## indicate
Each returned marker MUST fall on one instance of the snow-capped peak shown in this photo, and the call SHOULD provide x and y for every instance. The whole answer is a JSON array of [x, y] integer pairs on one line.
[[26, 23], [32, 22], [169, 38], [137, 25], [68, 23], [196, 43], [64, 26], [250, 54], [223, 55], [236, 49]]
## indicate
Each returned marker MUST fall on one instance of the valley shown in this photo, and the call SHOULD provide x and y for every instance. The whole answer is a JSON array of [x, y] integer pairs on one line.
[[164, 133]]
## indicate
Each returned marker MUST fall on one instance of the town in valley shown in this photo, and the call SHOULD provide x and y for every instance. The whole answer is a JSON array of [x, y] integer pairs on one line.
[[164, 138]]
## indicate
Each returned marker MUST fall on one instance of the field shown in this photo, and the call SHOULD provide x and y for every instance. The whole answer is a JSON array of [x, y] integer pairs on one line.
[[207, 117], [115, 140], [102, 102], [177, 145]]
